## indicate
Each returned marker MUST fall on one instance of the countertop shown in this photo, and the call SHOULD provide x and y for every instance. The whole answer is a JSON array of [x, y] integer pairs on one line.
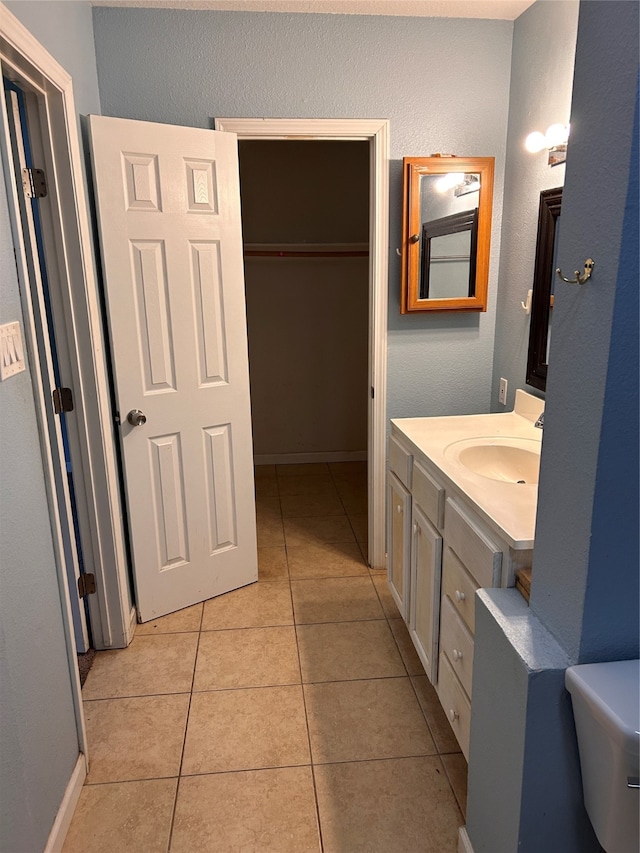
[[508, 508]]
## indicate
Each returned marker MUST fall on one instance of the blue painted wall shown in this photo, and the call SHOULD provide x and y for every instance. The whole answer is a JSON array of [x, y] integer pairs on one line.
[[443, 83], [544, 39], [38, 740]]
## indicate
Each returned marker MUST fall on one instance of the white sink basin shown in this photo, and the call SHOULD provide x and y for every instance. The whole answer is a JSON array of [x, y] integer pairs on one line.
[[509, 460]]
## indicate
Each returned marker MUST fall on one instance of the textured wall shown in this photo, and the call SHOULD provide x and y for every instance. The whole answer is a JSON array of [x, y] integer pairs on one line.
[[586, 559], [38, 741], [541, 78], [584, 593], [443, 84]]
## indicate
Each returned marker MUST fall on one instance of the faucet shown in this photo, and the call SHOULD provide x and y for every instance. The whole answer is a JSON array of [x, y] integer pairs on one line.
[[540, 422]]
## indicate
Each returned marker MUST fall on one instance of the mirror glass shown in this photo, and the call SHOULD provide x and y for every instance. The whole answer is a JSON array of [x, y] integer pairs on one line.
[[546, 263], [446, 233]]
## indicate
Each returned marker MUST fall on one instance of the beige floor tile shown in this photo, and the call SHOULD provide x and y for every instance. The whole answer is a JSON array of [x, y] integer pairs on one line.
[[272, 564], [123, 817], [334, 559], [360, 525], [404, 805], [335, 600], [268, 509], [340, 470], [300, 506], [136, 738], [267, 498], [305, 469], [247, 657], [270, 531], [457, 771], [179, 622], [386, 599], [266, 488], [264, 472], [360, 720], [340, 651], [317, 530], [246, 730], [306, 484], [260, 811], [157, 664], [354, 499], [442, 732], [257, 605], [407, 649]]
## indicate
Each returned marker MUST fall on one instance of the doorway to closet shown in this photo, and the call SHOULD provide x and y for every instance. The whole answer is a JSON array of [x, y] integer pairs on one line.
[[364, 243], [305, 215]]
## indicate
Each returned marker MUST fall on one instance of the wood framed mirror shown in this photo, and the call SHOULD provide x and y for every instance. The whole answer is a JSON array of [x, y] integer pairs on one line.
[[543, 279], [446, 233]]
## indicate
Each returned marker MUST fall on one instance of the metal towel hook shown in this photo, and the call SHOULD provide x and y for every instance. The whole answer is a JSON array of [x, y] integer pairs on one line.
[[579, 279]]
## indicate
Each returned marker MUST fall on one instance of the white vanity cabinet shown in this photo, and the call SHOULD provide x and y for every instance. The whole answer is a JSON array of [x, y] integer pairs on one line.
[[440, 552]]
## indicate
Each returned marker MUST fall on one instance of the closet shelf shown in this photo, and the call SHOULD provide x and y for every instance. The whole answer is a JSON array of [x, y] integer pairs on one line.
[[306, 250]]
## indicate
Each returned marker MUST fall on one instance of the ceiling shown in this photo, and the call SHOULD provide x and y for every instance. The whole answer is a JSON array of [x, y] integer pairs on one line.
[[507, 10]]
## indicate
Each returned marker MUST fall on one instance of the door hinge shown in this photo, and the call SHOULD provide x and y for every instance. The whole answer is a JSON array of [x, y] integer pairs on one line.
[[62, 400], [34, 183], [86, 585], [372, 393]]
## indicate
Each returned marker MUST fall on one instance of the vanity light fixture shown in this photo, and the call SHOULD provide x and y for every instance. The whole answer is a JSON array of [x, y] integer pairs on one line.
[[461, 184], [555, 140]]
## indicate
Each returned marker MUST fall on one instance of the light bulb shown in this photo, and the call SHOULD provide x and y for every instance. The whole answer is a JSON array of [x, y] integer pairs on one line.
[[535, 142], [448, 181], [556, 135]]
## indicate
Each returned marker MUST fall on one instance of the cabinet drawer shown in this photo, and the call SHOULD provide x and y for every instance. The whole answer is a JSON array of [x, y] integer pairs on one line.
[[428, 494], [458, 584], [457, 643], [400, 462], [481, 557], [455, 703]]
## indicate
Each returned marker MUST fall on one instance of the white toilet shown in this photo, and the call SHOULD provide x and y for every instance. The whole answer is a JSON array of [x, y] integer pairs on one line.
[[606, 708]]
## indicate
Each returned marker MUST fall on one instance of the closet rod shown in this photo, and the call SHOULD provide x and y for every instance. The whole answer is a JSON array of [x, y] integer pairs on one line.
[[311, 253]]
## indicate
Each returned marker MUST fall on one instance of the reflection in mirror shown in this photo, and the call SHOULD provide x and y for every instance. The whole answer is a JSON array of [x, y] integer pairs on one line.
[[448, 263], [446, 233], [543, 285]]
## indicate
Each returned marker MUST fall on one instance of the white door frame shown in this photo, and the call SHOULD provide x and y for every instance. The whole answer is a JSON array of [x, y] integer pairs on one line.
[[93, 451], [376, 132]]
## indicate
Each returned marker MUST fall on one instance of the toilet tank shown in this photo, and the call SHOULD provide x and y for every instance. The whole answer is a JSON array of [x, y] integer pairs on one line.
[[606, 709]]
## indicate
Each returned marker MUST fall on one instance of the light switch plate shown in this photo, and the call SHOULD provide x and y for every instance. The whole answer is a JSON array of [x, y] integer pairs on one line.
[[11, 350]]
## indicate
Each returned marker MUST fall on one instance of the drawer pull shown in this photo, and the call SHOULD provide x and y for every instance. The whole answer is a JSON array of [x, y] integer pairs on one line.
[[460, 596], [453, 715], [399, 509], [415, 526], [457, 655]]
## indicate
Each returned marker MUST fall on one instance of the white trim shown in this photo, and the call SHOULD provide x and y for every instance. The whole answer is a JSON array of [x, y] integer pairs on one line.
[[101, 528], [464, 842], [376, 131], [61, 824], [49, 432], [301, 458]]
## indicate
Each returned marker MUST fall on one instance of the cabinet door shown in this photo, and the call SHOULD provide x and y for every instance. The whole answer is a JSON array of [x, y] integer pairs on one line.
[[399, 542], [426, 563]]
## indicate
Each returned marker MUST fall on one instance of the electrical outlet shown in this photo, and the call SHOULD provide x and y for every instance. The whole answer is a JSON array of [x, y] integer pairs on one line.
[[502, 394], [11, 351]]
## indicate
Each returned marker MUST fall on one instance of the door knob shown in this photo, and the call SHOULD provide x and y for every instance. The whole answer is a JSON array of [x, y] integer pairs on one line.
[[136, 417]]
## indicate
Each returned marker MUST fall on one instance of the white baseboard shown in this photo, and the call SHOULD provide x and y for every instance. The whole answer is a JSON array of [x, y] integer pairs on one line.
[[68, 805], [300, 458], [464, 842]]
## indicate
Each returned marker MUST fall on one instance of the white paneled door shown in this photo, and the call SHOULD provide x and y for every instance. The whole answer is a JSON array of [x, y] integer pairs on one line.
[[168, 204]]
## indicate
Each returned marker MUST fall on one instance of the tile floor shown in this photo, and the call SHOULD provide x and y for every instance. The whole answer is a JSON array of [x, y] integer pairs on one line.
[[292, 715]]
